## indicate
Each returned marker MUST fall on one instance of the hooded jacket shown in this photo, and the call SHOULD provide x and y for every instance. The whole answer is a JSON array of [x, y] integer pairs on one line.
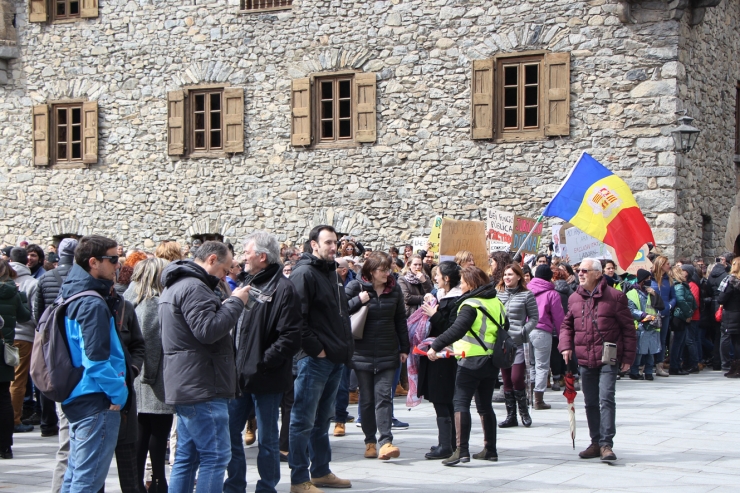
[[385, 326], [685, 302], [549, 306], [269, 334], [598, 317], [95, 345], [324, 309], [729, 297], [25, 331], [13, 309], [198, 363], [715, 278], [50, 284]]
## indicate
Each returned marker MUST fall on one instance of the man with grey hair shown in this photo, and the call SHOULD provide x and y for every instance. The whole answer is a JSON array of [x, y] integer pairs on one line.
[[267, 337], [600, 329], [198, 365]]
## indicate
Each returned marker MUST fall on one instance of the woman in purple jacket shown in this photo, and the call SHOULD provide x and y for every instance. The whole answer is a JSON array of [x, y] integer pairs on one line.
[[551, 314]]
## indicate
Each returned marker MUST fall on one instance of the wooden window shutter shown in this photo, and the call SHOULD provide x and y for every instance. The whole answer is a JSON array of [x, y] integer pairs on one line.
[[557, 94], [234, 119], [90, 132], [365, 112], [38, 11], [481, 105], [300, 107], [176, 123], [40, 122], [88, 8]]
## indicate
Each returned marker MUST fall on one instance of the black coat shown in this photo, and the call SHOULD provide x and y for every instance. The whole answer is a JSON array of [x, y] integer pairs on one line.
[[437, 378], [49, 287], [269, 335], [326, 324], [730, 301], [413, 294], [385, 326]]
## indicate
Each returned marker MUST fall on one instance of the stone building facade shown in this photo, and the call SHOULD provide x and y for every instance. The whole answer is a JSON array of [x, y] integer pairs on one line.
[[140, 70]]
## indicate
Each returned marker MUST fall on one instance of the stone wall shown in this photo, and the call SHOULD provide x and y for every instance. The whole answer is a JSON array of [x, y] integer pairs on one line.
[[625, 83]]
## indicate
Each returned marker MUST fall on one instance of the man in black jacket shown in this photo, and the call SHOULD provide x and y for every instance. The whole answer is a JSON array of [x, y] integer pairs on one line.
[[267, 337], [326, 346]]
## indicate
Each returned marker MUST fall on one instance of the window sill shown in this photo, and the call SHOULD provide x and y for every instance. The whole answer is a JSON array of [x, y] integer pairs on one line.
[[66, 21], [211, 154], [519, 137], [74, 165], [269, 9], [335, 145]]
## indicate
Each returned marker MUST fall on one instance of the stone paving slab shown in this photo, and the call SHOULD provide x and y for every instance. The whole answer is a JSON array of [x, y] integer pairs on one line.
[[673, 434]]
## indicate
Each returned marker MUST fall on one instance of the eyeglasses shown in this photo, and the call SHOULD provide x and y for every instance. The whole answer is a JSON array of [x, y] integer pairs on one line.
[[113, 259], [584, 271]]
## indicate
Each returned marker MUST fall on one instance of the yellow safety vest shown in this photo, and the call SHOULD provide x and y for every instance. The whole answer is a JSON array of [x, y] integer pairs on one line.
[[634, 297], [483, 326]]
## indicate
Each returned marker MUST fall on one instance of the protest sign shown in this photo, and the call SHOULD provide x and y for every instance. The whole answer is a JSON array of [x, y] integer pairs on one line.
[[419, 243], [463, 235], [580, 245], [499, 228], [434, 237], [559, 247], [522, 227], [641, 261]]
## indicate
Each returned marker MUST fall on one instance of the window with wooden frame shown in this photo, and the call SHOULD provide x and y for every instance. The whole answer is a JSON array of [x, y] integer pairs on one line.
[[205, 121], [65, 133], [61, 10], [333, 110], [521, 96], [264, 5]]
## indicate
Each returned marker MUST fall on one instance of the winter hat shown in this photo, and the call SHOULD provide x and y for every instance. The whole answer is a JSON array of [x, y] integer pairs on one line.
[[642, 274], [67, 247], [6, 251], [692, 273], [52, 257], [543, 272]]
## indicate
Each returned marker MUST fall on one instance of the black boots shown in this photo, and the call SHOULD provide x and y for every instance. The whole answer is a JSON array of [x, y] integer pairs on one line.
[[158, 486], [444, 449], [521, 399], [462, 426], [510, 411], [734, 369], [489, 438]]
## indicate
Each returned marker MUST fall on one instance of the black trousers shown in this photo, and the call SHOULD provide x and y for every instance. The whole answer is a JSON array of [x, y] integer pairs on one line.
[[6, 417], [478, 383], [154, 430], [49, 418]]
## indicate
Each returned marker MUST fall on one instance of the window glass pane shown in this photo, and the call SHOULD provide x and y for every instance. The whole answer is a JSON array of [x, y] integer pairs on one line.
[[215, 102], [326, 90], [510, 75], [215, 121], [530, 74], [74, 8], [344, 89], [327, 129], [200, 140], [530, 95], [76, 133], [62, 152], [510, 118], [76, 115], [345, 109], [62, 116], [200, 121], [200, 102], [215, 139], [77, 151], [510, 96], [62, 133], [61, 9], [345, 129], [327, 110], [530, 117]]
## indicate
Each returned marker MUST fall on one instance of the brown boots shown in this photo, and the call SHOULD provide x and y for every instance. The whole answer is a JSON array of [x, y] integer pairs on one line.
[[539, 402]]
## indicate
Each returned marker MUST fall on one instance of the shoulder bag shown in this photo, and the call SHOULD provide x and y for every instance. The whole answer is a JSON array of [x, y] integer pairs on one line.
[[11, 355]]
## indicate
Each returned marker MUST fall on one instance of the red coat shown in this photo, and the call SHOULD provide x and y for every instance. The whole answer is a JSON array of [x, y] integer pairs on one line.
[[614, 321]]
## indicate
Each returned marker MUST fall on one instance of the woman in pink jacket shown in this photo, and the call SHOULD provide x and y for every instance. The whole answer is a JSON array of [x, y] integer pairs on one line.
[[551, 314]]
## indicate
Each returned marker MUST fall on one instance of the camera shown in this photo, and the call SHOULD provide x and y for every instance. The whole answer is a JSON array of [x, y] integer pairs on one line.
[[717, 260]]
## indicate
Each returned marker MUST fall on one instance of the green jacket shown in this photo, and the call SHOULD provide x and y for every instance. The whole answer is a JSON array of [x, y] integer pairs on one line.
[[13, 309], [685, 302]]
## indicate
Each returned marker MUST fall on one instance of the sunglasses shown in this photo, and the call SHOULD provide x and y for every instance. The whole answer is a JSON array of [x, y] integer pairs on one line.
[[584, 271], [113, 259]]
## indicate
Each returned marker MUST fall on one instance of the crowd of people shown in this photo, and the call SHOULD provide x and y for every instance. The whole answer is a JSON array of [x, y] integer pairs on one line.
[[196, 350]]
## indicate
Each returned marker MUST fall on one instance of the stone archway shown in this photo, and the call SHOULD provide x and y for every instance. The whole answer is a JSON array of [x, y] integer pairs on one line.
[[206, 229], [66, 228]]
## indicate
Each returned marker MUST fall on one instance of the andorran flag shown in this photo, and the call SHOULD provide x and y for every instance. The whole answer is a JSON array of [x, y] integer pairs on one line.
[[599, 203]]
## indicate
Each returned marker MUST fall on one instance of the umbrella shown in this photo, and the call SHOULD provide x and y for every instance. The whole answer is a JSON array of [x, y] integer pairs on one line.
[[570, 395]]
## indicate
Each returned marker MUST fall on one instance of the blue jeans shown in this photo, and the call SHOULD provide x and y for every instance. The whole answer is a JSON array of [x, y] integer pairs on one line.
[[643, 359], [693, 343], [679, 341], [315, 393], [340, 413], [599, 388], [203, 445], [92, 441], [267, 410]]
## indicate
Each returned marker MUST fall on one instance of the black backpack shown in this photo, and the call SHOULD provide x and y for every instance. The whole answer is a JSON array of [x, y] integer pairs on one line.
[[52, 370]]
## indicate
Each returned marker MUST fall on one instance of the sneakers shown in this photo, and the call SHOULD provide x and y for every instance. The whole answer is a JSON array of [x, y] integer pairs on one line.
[[250, 434], [307, 487], [635, 376], [371, 451], [607, 454], [331, 481], [399, 425], [593, 451], [388, 451], [339, 430], [21, 428]]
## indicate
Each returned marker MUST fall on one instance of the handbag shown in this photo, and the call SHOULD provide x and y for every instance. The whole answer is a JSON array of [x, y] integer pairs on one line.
[[678, 324], [357, 320], [504, 349], [718, 314], [11, 355]]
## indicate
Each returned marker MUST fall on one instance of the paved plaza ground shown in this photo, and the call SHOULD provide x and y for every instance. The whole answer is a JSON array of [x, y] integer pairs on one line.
[[674, 435]]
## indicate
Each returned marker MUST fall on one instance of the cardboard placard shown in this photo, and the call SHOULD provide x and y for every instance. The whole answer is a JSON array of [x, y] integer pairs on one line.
[[419, 243], [434, 237], [581, 245], [464, 235], [559, 247], [641, 261], [499, 229], [522, 227]]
